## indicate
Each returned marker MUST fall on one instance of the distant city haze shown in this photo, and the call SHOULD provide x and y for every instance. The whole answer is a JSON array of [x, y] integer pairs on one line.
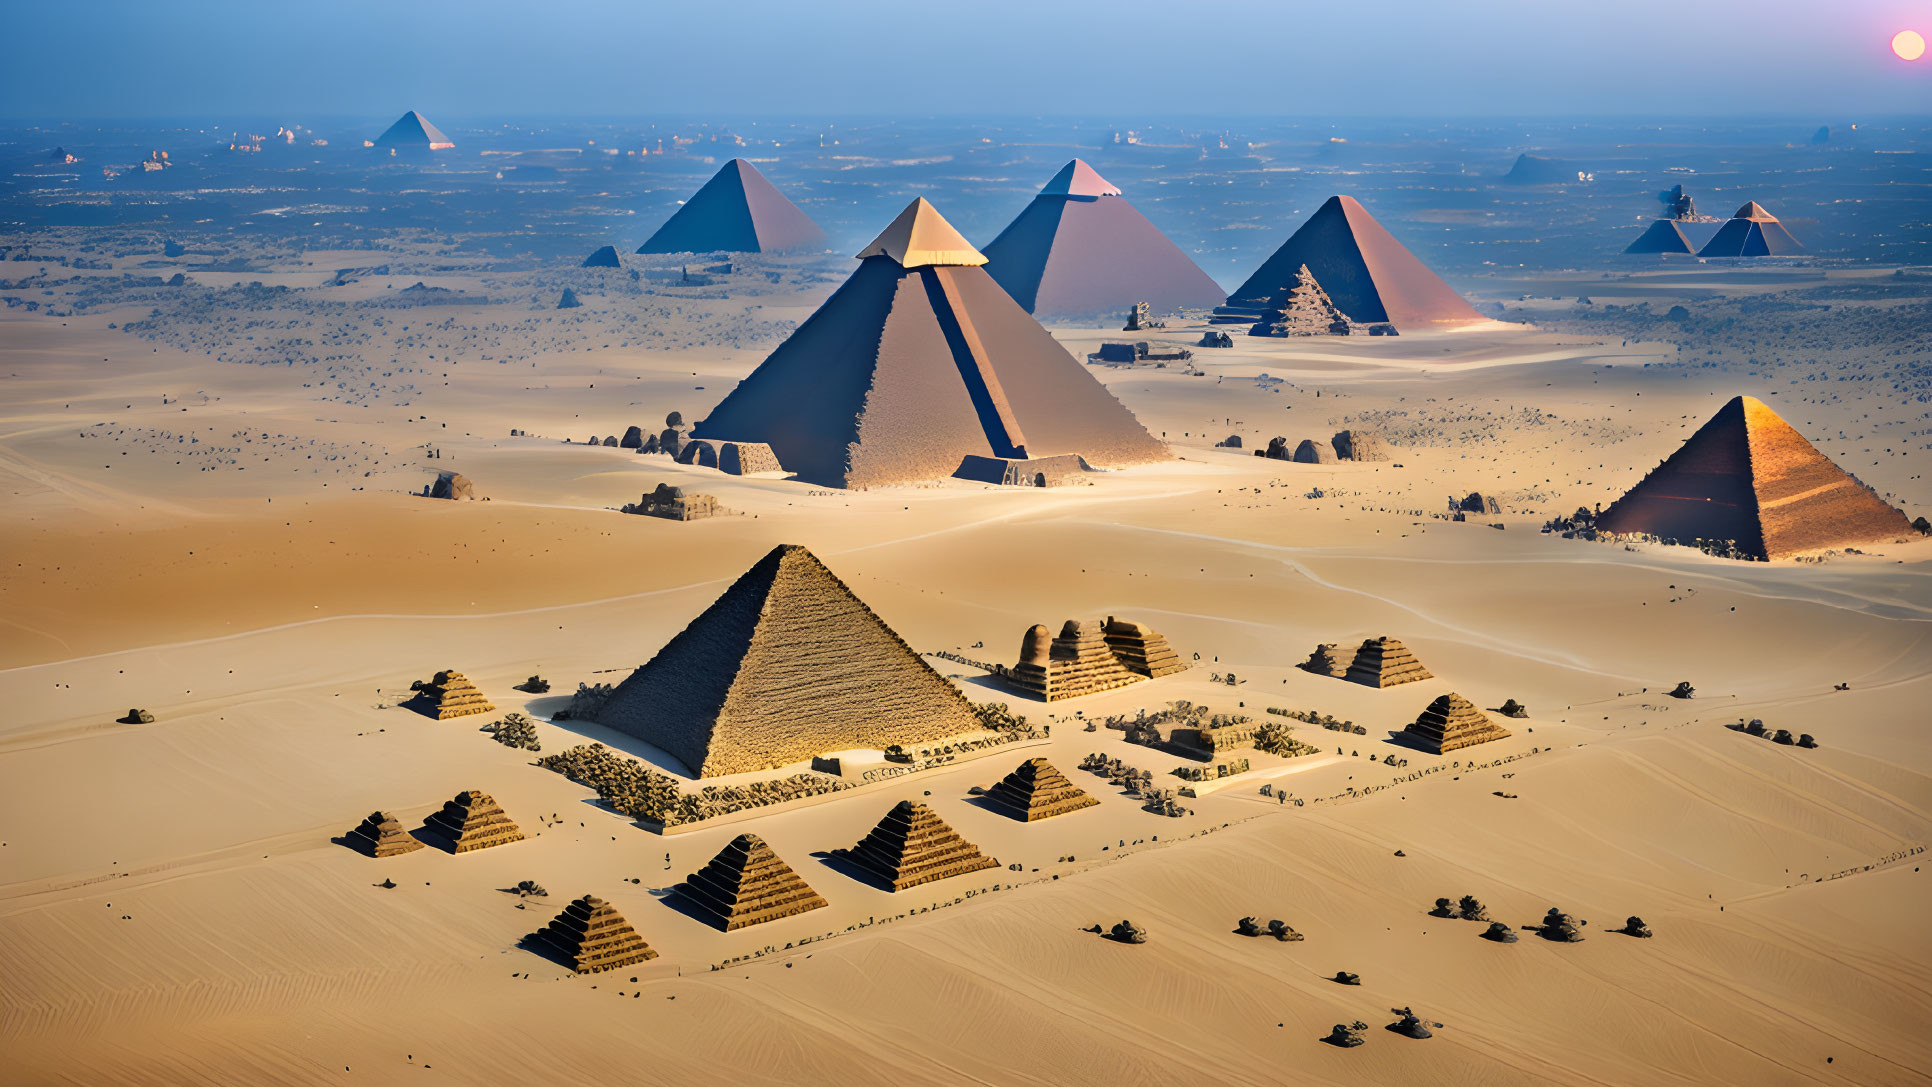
[[1125, 59]]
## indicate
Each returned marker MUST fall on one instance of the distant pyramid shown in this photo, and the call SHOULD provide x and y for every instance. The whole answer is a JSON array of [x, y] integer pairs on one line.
[[450, 694], [1664, 236], [1036, 791], [1534, 170], [1748, 477], [912, 845], [472, 821], [1385, 662], [1452, 722], [785, 665], [592, 937], [1752, 232], [413, 130], [747, 884], [1079, 248], [381, 835], [568, 300], [737, 211], [916, 363], [1367, 273], [604, 257], [1301, 308]]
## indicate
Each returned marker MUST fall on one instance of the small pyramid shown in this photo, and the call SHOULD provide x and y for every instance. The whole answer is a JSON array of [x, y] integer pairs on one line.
[[737, 211], [451, 694], [1385, 662], [381, 835], [912, 845], [413, 130], [1142, 649], [568, 300], [1324, 662], [1035, 791], [1301, 308], [472, 821], [1368, 275], [605, 257], [1664, 236], [747, 884], [1752, 232], [1452, 722], [593, 937]]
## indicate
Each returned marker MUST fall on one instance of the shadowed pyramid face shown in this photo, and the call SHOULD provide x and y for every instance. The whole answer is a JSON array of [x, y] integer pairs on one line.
[[1367, 273], [737, 211]]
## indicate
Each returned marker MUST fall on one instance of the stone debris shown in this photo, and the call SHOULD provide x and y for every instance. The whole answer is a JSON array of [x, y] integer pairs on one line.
[[1411, 1025], [1036, 790], [448, 695], [1560, 927], [1343, 977], [1683, 690], [1282, 933], [1513, 708], [747, 884], [1452, 722], [470, 822], [1474, 502], [1347, 1035], [515, 730], [1127, 932], [1359, 445], [1215, 338], [912, 845], [1635, 927], [591, 936], [137, 717], [534, 685], [381, 835], [1500, 933], [1385, 662]]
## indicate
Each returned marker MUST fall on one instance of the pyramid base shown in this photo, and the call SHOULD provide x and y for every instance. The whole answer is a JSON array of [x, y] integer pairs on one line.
[[1054, 471]]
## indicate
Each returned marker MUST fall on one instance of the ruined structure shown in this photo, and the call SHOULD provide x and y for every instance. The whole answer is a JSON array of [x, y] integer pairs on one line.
[[732, 458], [912, 845], [1089, 657], [449, 694], [381, 835], [737, 211], [470, 822], [1324, 662], [1451, 723], [1751, 232], [1141, 649], [673, 504], [1385, 662], [1300, 308], [747, 884], [1359, 445], [591, 936], [1314, 451], [1036, 790]]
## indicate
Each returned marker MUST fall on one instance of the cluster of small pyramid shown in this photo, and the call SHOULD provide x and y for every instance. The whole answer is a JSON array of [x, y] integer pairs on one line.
[[1090, 657], [1452, 722], [472, 821], [451, 694], [1036, 791], [913, 845], [747, 884], [591, 936], [1385, 662]]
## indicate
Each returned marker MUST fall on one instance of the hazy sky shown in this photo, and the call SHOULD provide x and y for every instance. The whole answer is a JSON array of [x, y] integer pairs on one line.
[[71, 59]]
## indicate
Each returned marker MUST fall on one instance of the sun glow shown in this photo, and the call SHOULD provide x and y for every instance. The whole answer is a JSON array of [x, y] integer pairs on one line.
[[1908, 44]]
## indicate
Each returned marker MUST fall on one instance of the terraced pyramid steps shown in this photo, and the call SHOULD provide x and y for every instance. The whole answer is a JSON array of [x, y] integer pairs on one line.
[[472, 821], [381, 835], [747, 884], [1386, 662], [913, 845], [591, 936], [1451, 723], [448, 695], [1036, 791]]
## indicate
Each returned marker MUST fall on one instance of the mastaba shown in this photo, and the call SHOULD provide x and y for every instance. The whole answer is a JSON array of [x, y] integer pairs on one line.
[[787, 664], [1366, 272], [916, 362], [412, 129], [1749, 477], [737, 211], [1752, 232], [1079, 248]]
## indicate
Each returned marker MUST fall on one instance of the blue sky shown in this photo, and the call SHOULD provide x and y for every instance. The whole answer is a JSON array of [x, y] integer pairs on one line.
[[76, 59]]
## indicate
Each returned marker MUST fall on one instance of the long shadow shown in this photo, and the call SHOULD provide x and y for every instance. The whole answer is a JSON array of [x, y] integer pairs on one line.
[[983, 804], [843, 865], [682, 903], [544, 950], [1405, 740]]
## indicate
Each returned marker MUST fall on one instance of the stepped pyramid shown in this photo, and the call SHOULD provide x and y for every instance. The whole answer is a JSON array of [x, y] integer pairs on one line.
[[1141, 649], [1079, 248], [1385, 662], [912, 845], [918, 362], [747, 884], [381, 835], [1078, 662], [472, 821], [1324, 662], [1301, 308], [1752, 232], [737, 211], [1037, 791], [450, 694], [413, 130], [1452, 722], [592, 937], [1368, 275], [1748, 477], [785, 665]]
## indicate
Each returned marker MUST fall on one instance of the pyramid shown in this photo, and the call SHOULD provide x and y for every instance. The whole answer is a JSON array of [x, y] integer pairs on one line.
[[1301, 308], [912, 845], [1037, 791], [381, 835], [1367, 273], [451, 694], [737, 211], [785, 665], [472, 821], [1141, 649], [1385, 662], [592, 937], [605, 257], [1752, 232], [413, 130], [1079, 248], [747, 884], [916, 363], [1078, 662], [1324, 662], [1664, 236], [1748, 477], [1452, 722]]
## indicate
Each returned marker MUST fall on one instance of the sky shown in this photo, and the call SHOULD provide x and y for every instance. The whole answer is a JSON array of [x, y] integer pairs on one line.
[[107, 59]]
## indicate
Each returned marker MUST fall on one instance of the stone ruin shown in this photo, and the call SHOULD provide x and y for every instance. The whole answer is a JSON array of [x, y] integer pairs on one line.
[[1314, 451], [747, 884], [534, 685], [675, 433], [1090, 657], [1132, 780], [470, 822], [1385, 662], [1301, 308], [912, 845], [136, 717], [1215, 338], [1683, 690], [1411, 1025], [1500, 933], [448, 695], [1561, 928], [731, 458], [381, 836], [1139, 319], [1359, 445], [1474, 502], [1635, 927], [1056, 470], [1451, 723], [515, 730], [591, 937], [1347, 1035], [1127, 932], [450, 485], [1513, 708], [672, 504], [1036, 790]]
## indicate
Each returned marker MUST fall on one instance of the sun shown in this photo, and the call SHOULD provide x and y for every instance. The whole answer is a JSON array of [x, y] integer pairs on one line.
[[1908, 44]]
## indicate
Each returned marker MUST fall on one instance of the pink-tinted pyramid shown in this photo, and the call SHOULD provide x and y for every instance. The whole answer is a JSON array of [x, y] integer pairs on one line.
[[737, 211], [1366, 272]]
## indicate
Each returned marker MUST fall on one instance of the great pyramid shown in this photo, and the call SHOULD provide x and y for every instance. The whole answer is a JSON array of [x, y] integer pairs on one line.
[[381, 835], [1748, 477], [737, 211], [450, 694], [1079, 248], [1452, 722], [593, 937], [470, 822], [1385, 662], [413, 130], [1664, 236], [785, 665], [1368, 274], [916, 363], [912, 845], [747, 884], [1301, 308], [1752, 232], [1035, 791]]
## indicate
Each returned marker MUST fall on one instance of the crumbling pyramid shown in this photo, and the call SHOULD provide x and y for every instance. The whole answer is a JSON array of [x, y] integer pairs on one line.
[[593, 937], [1368, 275], [787, 664], [918, 362], [1301, 308], [1752, 232], [1079, 248], [1452, 722], [451, 694], [413, 130], [912, 845], [737, 211], [472, 821], [1748, 477], [1037, 791], [1385, 662], [1324, 662], [747, 884], [381, 835], [1141, 648]]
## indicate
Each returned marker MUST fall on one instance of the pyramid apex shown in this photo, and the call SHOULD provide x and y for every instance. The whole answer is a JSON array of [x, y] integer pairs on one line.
[[1077, 178], [1755, 212], [921, 236]]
